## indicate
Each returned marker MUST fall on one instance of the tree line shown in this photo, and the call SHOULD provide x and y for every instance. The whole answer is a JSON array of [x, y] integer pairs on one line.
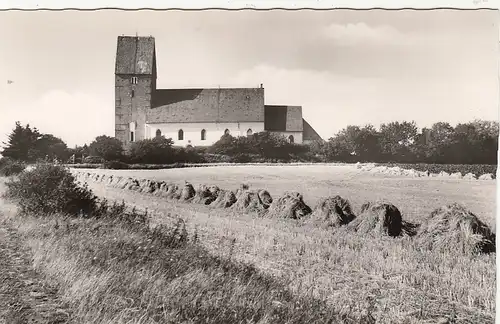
[[474, 142]]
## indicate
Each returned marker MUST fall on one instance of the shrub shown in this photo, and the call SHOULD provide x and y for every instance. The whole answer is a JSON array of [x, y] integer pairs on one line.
[[115, 165], [10, 167], [216, 158], [187, 155], [93, 159], [109, 148], [50, 189], [241, 158]]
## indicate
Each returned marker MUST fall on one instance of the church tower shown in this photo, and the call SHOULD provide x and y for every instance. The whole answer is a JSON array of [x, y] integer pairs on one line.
[[135, 82]]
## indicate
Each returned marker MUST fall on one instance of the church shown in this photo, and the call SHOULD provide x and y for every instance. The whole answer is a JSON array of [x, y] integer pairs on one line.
[[196, 117]]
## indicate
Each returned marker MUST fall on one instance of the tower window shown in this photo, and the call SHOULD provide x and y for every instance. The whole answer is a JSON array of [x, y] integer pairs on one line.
[[203, 134], [158, 133], [132, 131], [134, 80], [180, 136]]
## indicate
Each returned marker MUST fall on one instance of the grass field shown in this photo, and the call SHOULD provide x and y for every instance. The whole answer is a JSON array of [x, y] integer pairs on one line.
[[391, 278], [415, 197]]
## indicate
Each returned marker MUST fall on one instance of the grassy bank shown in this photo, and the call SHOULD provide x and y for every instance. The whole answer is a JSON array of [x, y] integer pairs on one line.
[[119, 270]]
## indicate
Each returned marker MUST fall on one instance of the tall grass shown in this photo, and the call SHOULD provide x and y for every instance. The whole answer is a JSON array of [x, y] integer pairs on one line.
[[393, 279], [112, 267]]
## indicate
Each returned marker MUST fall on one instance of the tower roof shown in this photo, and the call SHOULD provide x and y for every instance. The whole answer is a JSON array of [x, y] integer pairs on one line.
[[283, 118], [135, 55]]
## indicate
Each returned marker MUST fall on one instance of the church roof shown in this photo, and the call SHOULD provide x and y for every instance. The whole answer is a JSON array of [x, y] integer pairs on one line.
[[309, 133], [283, 118], [135, 55], [206, 105]]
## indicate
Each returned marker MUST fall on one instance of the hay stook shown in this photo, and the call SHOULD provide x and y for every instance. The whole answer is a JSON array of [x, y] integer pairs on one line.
[[205, 195], [291, 205], [250, 201], [225, 199], [454, 227], [378, 218], [332, 212]]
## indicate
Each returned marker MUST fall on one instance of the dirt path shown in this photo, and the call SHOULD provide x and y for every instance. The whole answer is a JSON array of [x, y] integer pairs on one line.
[[24, 296]]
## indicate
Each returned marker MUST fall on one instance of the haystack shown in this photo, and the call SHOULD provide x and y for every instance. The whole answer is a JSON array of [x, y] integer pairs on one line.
[[424, 173], [110, 180], [332, 212], [134, 185], [116, 181], [378, 218], [265, 197], [148, 186], [443, 174], [469, 176], [225, 199], [172, 192], [124, 183], [456, 175], [411, 173], [249, 200], [487, 176], [205, 195], [290, 205], [243, 187], [160, 188], [187, 192], [454, 227]]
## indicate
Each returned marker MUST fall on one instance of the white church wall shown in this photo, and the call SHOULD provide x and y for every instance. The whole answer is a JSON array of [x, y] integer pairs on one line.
[[297, 136], [192, 131]]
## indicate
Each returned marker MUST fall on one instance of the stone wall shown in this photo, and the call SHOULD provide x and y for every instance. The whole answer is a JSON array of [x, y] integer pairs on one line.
[[132, 101]]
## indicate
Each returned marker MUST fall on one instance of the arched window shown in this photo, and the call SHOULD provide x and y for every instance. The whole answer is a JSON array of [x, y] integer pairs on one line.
[[226, 132], [249, 132], [181, 135], [290, 138], [158, 133], [203, 134]]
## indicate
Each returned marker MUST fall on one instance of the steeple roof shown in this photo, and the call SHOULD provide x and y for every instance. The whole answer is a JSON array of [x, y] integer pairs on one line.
[[135, 55]]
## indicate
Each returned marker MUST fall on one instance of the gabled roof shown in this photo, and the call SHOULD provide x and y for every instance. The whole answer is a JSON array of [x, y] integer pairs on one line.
[[283, 118], [309, 133], [206, 105], [135, 55]]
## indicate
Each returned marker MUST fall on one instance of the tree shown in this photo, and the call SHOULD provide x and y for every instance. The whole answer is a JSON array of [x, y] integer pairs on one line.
[[52, 147], [476, 142], [229, 145], [337, 150], [396, 140], [22, 143], [109, 148], [354, 143], [155, 151]]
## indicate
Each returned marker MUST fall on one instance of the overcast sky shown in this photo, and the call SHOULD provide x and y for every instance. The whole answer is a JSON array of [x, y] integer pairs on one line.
[[343, 67]]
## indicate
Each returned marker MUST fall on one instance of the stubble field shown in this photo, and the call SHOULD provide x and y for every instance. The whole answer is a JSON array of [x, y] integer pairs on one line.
[[391, 278]]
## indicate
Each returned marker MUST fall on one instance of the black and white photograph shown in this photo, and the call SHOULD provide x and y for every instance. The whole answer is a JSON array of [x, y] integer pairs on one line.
[[248, 166]]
